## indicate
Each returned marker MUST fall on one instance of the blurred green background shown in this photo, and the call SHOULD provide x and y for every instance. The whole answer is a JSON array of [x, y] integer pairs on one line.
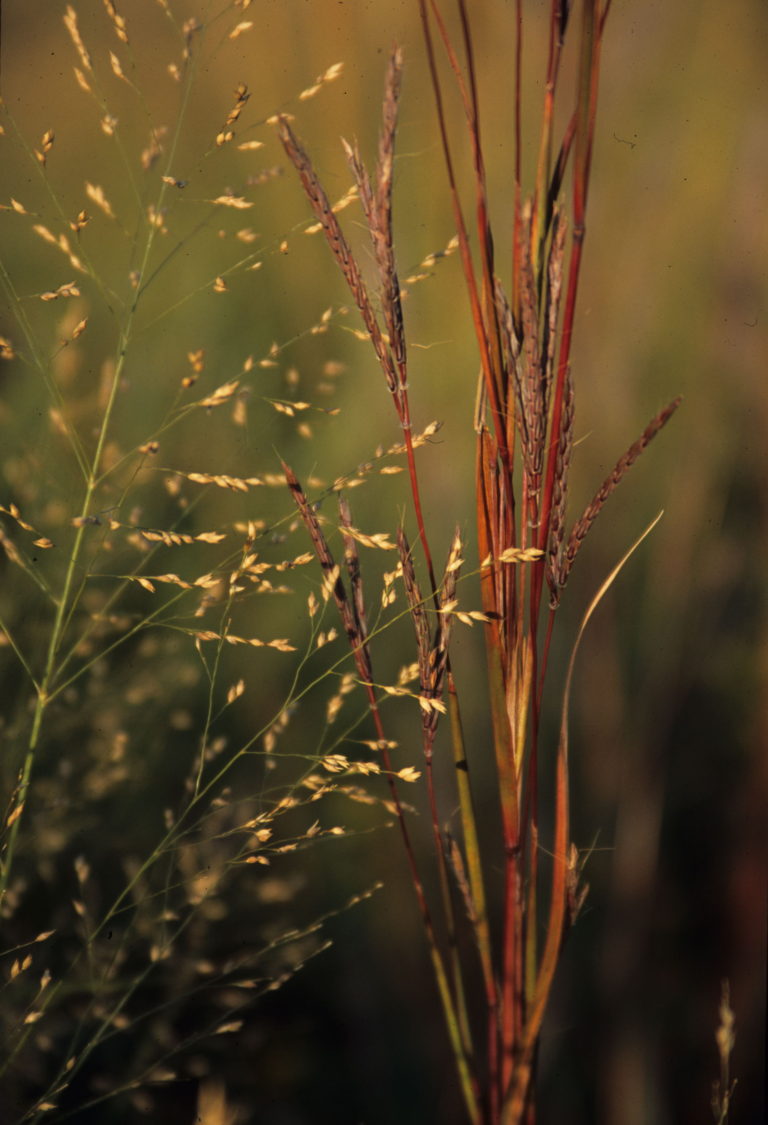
[[669, 725]]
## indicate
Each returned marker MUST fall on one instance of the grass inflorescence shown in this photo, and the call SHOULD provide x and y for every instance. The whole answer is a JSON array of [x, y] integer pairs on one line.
[[176, 592], [524, 425]]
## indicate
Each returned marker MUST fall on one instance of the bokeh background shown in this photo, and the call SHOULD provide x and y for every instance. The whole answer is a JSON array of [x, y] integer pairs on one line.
[[670, 729]]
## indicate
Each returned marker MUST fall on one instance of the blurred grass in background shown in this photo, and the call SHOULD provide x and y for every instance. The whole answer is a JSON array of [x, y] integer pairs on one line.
[[670, 729]]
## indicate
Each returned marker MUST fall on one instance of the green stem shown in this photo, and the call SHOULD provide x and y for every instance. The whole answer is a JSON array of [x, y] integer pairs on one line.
[[64, 608]]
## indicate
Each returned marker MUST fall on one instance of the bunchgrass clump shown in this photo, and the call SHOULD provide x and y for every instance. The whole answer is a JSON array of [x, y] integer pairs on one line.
[[524, 424]]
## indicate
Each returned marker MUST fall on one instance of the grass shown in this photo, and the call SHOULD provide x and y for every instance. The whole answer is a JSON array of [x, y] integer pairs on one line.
[[134, 804], [524, 418], [218, 673]]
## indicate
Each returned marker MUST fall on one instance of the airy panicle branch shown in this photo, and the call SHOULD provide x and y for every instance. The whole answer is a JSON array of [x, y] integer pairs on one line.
[[432, 657], [389, 345]]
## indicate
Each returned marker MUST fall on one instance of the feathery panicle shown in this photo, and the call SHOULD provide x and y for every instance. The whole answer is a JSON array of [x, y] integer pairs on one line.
[[582, 526], [382, 232], [338, 244], [332, 576]]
